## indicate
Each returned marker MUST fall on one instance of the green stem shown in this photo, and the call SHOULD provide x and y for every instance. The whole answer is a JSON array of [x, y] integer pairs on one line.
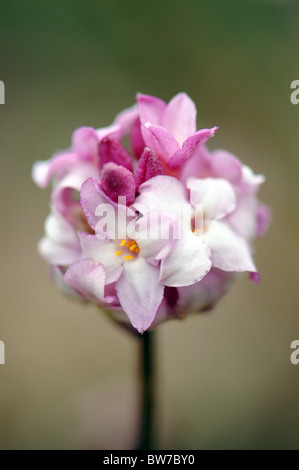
[[148, 384]]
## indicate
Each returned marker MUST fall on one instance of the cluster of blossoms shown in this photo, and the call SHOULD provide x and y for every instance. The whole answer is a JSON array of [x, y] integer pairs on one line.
[[164, 178]]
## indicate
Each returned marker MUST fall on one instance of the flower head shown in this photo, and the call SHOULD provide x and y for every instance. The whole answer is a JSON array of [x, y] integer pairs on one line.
[[155, 231]]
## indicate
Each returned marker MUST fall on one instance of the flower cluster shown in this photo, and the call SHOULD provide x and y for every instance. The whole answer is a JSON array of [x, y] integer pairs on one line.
[[154, 229]]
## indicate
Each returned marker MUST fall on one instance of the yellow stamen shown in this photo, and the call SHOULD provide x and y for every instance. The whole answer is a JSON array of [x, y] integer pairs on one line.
[[133, 247], [128, 257], [118, 252]]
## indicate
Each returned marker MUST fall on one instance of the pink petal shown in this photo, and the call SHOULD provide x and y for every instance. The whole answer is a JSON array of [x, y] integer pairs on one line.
[[148, 167], [255, 277], [98, 208], [187, 263], [205, 294], [110, 150], [190, 146], [42, 171], [118, 181], [65, 198], [113, 130], [57, 276], [88, 278], [162, 143], [137, 142], [125, 120], [85, 142], [150, 109], [216, 196], [225, 165], [140, 293], [264, 217], [250, 182], [91, 196], [180, 117], [229, 252], [103, 252], [243, 220]]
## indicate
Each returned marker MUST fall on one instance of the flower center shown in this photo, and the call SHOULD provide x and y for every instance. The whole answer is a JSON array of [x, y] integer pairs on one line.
[[198, 228], [129, 249]]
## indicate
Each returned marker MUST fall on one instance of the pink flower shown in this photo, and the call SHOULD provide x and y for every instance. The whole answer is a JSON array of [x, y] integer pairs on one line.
[[214, 243], [155, 231], [170, 130], [84, 149]]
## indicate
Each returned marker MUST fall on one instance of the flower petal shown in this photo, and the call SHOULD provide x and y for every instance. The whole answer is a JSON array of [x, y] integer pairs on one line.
[[163, 193], [88, 278], [91, 196], [216, 196], [264, 216], [137, 143], [140, 293], [250, 182], [180, 117], [148, 167], [225, 165], [117, 181], [85, 142], [190, 146], [125, 119], [255, 277], [150, 109], [243, 220], [42, 171], [111, 150], [57, 276], [187, 263], [65, 197], [103, 252], [162, 143], [203, 295], [154, 234], [229, 252], [60, 246], [108, 219]]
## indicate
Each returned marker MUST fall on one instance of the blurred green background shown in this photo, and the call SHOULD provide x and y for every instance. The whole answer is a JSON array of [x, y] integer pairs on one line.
[[225, 378]]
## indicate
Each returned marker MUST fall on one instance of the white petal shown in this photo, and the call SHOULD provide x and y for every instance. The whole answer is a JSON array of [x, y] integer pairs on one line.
[[102, 251], [140, 293], [187, 263], [216, 196], [60, 245], [229, 252]]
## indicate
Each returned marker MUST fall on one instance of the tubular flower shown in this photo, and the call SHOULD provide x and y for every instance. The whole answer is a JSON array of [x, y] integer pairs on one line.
[[155, 231]]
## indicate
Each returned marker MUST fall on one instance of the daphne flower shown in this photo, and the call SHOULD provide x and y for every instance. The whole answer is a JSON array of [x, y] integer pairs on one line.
[[115, 261], [170, 130], [196, 251], [251, 218], [84, 149], [155, 231]]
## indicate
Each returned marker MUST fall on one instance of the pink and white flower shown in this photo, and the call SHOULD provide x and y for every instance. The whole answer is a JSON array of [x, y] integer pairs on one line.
[[155, 231]]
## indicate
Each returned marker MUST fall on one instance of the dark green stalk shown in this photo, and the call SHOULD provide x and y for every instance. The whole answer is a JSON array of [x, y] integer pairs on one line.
[[147, 375]]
